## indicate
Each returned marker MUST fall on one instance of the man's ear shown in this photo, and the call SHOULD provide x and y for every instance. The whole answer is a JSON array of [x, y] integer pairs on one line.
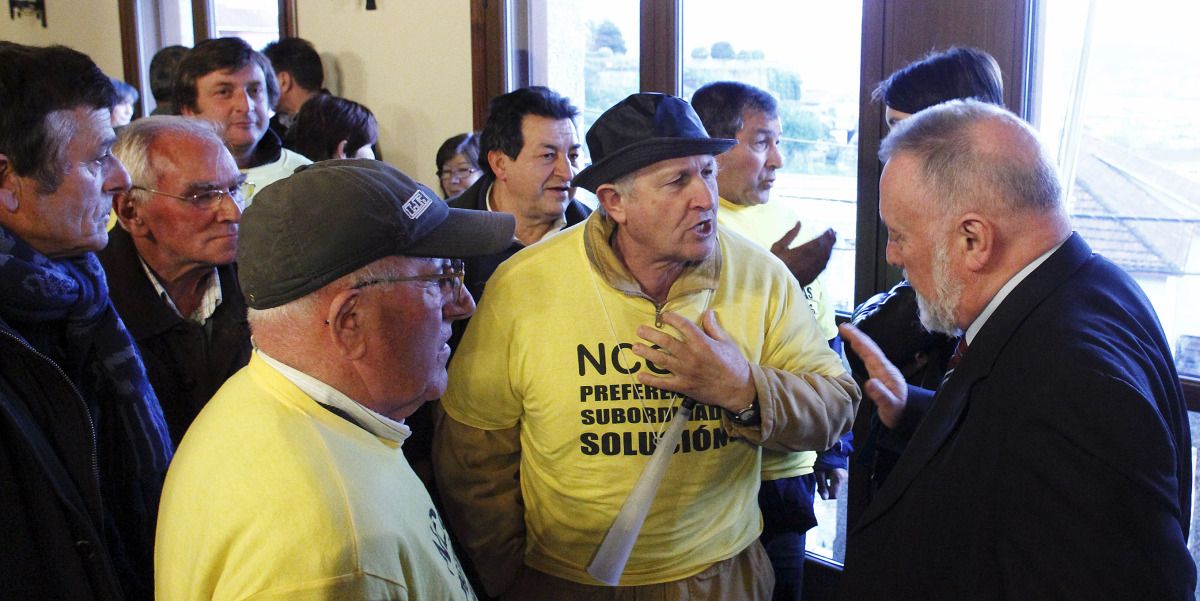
[[499, 161], [347, 329], [129, 213], [285, 81], [8, 186], [613, 202], [975, 238], [186, 111], [340, 151]]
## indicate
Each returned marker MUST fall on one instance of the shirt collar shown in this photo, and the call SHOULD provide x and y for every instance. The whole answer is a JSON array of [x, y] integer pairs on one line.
[[487, 197], [558, 225], [268, 149], [208, 303], [1004, 291], [598, 233], [377, 424]]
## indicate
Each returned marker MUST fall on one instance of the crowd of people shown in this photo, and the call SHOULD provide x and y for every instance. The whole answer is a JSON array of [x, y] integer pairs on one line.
[[241, 356]]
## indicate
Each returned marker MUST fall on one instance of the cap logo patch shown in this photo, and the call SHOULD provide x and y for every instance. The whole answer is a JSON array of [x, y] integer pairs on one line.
[[416, 204]]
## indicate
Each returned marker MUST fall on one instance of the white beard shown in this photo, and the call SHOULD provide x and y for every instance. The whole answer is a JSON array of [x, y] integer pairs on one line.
[[937, 313]]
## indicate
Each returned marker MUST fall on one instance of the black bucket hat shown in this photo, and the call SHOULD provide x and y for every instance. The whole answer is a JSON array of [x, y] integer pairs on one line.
[[642, 130]]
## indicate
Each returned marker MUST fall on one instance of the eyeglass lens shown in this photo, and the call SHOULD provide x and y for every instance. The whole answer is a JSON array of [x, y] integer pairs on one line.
[[457, 174]]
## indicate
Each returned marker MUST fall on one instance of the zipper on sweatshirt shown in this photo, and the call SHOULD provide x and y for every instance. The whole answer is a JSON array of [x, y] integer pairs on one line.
[[79, 396], [658, 311]]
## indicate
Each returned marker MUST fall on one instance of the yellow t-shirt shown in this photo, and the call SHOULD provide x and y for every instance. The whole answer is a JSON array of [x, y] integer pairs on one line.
[[272, 496], [765, 224], [548, 349]]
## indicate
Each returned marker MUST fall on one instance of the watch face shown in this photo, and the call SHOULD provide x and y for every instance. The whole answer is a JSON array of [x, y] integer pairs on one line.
[[746, 416]]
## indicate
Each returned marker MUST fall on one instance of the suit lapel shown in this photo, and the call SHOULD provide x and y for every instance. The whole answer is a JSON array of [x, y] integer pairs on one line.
[[942, 419], [952, 399]]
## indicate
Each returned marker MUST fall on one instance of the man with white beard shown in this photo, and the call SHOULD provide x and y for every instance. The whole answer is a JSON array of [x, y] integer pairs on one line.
[[1054, 461], [937, 314]]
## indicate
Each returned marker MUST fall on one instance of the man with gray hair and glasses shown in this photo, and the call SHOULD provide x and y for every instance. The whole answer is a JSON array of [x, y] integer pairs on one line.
[[170, 263], [291, 483]]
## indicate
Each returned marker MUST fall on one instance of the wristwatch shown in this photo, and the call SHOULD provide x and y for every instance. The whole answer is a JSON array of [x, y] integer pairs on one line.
[[746, 417]]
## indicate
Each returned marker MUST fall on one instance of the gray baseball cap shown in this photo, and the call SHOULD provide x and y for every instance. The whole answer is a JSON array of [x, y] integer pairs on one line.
[[333, 217]]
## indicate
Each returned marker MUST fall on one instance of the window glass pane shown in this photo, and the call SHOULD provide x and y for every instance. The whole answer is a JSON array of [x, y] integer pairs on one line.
[[161, 23], [256, 21], [174, 22], [586, 51], [806, 53], [1119, 99]]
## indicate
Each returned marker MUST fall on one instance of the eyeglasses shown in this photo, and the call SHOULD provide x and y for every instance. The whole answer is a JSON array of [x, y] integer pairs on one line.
[[202, 200], [450, 283], [459, 174]]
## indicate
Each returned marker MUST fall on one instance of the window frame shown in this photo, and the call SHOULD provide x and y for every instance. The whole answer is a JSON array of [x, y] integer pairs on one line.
[[895, 32], [134, 54]]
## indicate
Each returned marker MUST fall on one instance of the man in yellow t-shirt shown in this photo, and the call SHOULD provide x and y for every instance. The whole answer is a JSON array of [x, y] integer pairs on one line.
[[745, 177], [582, 349], [291, 483]]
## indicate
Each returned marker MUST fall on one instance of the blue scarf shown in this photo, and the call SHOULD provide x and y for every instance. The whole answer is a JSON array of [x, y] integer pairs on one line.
[[37, 289]]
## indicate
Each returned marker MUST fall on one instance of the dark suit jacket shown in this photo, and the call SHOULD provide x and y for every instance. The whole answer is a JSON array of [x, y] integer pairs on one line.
[[1053, 464]]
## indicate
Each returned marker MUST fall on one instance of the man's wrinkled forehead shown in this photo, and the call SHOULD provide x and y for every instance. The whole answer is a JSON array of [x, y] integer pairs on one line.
[[901, 187], [537, 130], [83, 124], [164, 147], [764, 119]]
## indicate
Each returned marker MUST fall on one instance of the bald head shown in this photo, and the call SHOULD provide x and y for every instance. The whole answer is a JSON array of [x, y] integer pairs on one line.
[[969, 199], [975, 156]]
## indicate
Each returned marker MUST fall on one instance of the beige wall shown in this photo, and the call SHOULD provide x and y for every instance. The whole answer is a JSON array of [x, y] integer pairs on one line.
[[409, 62], [89, 26]]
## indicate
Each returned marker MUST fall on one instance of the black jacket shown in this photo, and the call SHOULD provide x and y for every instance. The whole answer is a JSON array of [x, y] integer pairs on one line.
[[186, 362], [52, 514], [892, 320], [480, 269]]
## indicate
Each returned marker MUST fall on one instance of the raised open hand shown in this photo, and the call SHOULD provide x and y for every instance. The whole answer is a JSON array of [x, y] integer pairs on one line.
[[808, 260], [886, 386]]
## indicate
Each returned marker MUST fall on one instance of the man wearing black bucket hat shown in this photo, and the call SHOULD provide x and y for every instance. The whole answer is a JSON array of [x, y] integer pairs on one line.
[[291, 482], [585, 346]]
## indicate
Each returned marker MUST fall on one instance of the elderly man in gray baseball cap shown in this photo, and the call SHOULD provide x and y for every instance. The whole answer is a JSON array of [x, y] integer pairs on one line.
[[585, 346], [291, 483]]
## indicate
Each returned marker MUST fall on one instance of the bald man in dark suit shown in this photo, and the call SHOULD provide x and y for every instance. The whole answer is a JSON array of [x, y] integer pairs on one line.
[[1054, 461]]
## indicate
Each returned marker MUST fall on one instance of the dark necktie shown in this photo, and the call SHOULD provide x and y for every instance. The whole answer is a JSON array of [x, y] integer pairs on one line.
[[959, 351]]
